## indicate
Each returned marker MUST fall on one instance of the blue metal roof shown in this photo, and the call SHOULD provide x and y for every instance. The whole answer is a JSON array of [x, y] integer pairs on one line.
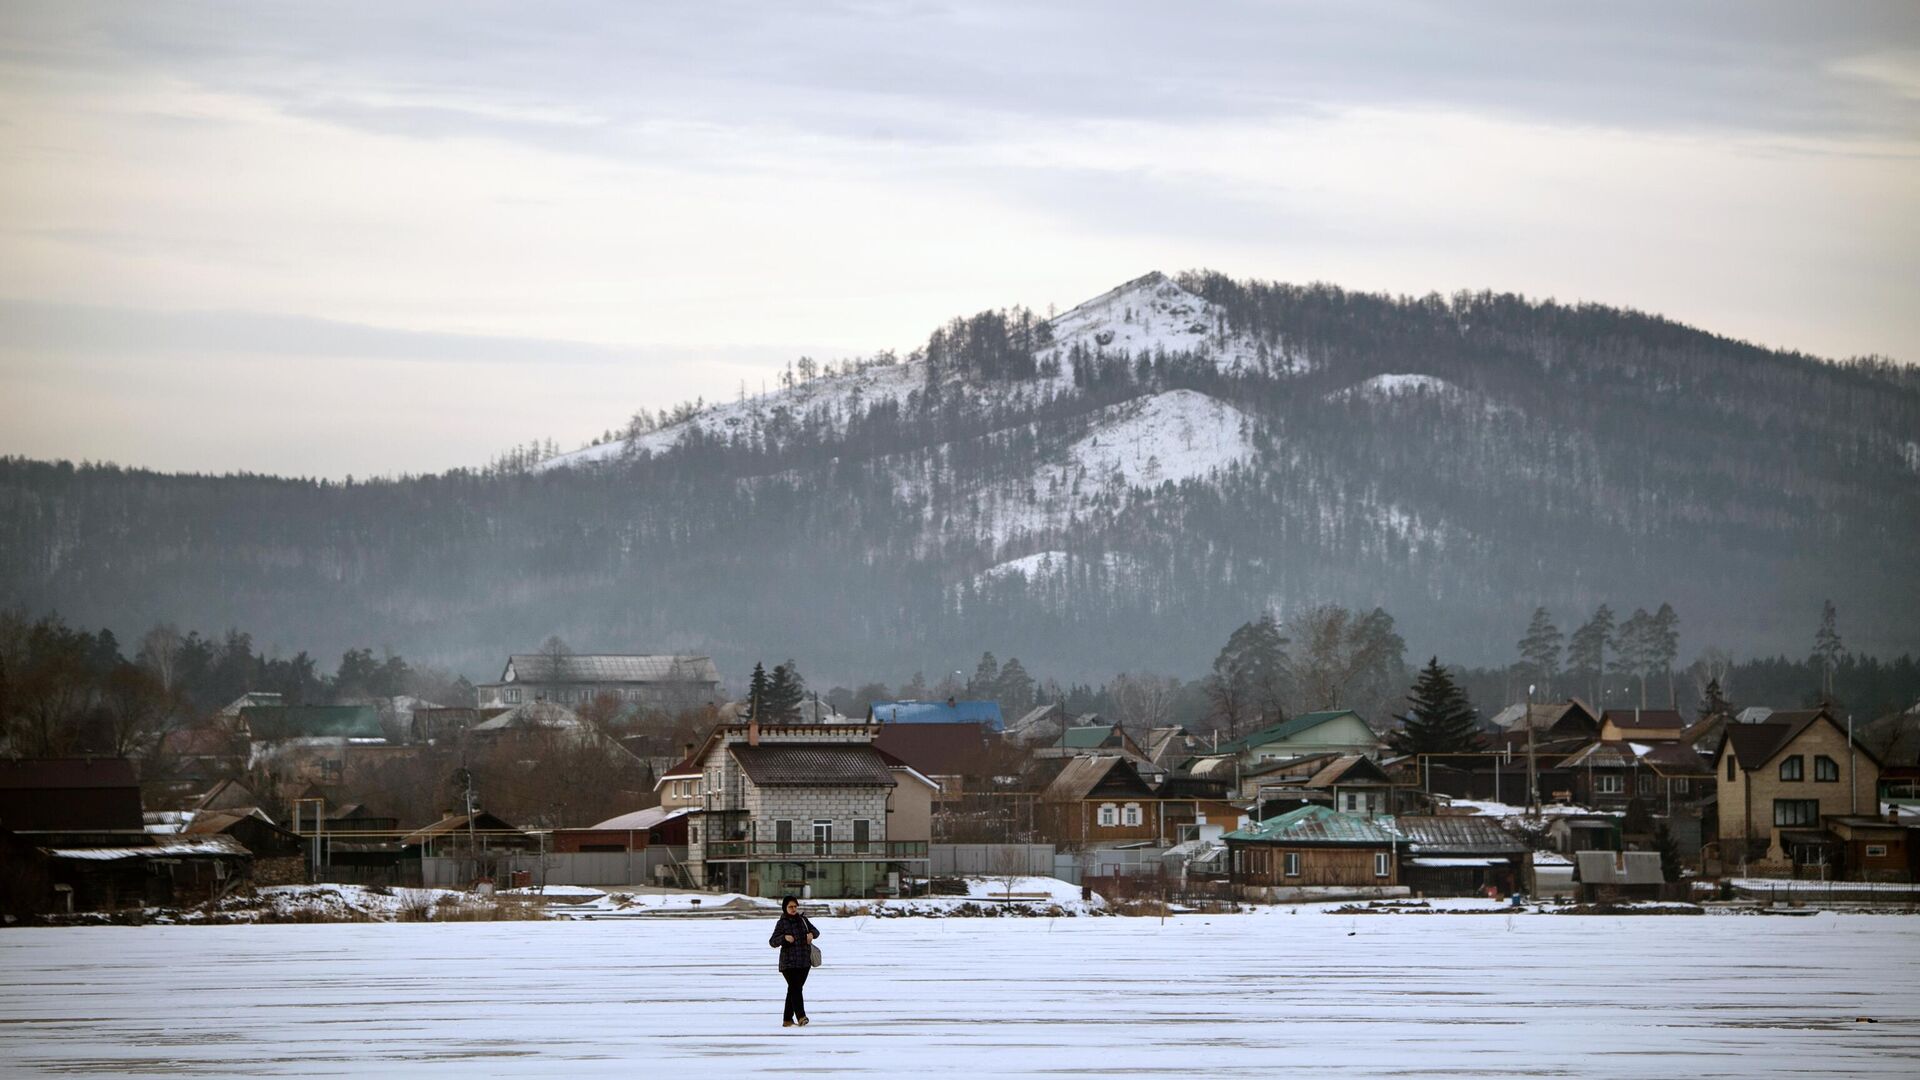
[[939, 712]]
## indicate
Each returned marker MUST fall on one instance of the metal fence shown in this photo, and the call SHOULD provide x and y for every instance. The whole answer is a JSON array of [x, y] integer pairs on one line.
[[1032, 860], [1078, 866], [581, 868]]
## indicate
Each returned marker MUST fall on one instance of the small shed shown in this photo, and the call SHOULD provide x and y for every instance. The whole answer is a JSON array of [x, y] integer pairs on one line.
[[186, 870], [1313, 851]]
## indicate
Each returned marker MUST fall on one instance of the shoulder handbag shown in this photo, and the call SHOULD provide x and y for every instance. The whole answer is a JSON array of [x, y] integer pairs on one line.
[[813, 955]]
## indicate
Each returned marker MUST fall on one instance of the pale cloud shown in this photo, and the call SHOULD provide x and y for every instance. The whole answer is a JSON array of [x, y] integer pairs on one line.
[[664, 201]]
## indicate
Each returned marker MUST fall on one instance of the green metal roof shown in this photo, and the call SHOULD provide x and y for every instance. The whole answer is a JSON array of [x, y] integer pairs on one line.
[[1086, 738], [270, 722], [1285, 729], [1316, 825]]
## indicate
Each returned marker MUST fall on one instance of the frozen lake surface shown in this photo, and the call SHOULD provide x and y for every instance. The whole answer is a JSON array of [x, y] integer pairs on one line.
[[1306, 994]]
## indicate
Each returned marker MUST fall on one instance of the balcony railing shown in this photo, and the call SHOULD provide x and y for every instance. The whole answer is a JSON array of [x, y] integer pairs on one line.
[[803, 850]]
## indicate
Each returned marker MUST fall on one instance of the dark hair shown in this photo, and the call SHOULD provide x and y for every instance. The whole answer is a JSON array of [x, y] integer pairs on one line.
[[788, 899]]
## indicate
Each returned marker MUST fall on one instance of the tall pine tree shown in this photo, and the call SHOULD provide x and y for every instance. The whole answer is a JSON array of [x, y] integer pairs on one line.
[[1540, 651], [1442, 719]]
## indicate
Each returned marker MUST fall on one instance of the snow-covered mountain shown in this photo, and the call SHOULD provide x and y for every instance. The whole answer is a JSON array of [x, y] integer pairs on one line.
[[1112, 488]]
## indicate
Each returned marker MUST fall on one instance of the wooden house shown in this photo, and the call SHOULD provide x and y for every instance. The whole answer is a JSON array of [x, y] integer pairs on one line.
[[1102, 799], [1313, 851], [1641, 725]]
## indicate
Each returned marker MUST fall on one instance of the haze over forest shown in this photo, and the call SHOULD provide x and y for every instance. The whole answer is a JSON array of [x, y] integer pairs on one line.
[[1111, 489]]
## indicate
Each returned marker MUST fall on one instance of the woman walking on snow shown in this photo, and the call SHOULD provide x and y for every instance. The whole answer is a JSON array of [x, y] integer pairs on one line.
[[793, 935]]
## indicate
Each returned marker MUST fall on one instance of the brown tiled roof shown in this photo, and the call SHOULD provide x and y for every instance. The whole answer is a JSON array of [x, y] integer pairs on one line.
[[955, 749], [1644, 719], [813, 765], [1677, 759]]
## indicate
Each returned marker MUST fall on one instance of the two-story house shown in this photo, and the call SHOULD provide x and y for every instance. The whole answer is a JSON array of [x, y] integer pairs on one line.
[[1786, 774], [812, 809]]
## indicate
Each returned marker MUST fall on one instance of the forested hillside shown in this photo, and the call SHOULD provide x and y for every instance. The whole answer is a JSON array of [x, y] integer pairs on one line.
[[1115, 488]]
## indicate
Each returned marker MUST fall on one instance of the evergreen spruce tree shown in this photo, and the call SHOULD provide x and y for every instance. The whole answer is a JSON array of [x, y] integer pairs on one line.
[[786, 691], [1714, 702], [986, 677], [757, 693], [1442, 719], [1015, 691], [1669, 850]]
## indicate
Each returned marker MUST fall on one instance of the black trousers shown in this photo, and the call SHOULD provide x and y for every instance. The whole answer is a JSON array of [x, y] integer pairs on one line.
[[796, 1001]]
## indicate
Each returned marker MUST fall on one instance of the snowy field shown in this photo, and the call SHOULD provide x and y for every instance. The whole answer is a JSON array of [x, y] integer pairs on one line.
[[1272, 993]]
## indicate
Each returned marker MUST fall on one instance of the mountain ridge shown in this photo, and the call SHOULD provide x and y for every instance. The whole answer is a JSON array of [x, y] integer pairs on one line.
[[1112, 488]]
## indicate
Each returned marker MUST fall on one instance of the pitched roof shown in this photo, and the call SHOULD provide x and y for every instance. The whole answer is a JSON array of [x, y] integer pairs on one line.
[[538, 714], [1090, 738], [937, 712], [1286, 729], [1603, 754], [1644, 719], [1676, 759], [813, 765], [957, 749], [482, 822], [272, 722], [1458, 834], [165, 849], [610, 667], [1087, 772], [1315, 824], [1349, 769], [643, 819], [1753, 745]]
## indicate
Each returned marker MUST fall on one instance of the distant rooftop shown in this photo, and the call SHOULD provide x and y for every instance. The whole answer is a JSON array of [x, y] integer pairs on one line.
[[938, 712]]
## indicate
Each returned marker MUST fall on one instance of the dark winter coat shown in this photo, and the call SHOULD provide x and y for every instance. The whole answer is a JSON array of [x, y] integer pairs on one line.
[[796, 955]]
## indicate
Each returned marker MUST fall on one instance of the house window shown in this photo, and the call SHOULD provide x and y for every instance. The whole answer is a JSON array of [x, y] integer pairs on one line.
[[693, 834], [1130, 814], [1825, 769], [1796, 811], [1109, 814], [1794, 768], [331, 770], [511, 697], [783, 836], [1608, 784], [1353, 801], [1293, 864], [1380, 864], [823, 838], [1876, 851], [862, 832], [1729, 768]]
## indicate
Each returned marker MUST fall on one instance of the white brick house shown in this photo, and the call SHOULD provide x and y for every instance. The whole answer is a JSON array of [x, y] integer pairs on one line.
[[800, 807]]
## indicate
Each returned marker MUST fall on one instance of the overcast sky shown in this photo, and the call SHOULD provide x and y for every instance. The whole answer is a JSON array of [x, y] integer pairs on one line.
[[339, 238]]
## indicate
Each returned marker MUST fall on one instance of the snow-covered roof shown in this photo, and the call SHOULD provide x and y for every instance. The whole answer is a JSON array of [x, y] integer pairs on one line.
[[204, 845], [643, 819]]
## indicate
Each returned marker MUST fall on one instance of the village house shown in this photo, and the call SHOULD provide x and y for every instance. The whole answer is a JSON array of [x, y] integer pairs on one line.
[[1786, 775], [1607, 775], [955, 755], [665, 683], [1314, 852], [1101, 799], [1339, 731], [1459, 855], [1350, 783], [1641, 725], [802, 808]]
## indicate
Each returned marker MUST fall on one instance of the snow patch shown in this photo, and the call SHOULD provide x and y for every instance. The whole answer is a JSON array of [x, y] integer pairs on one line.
[[1911, 452], [1152, 314], [1388, 387]]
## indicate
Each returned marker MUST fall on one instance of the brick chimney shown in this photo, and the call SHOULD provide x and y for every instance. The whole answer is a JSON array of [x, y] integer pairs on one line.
[[753, 729]]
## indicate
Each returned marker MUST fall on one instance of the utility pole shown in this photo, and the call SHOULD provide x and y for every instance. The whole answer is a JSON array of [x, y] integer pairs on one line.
[[1533, 767]]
